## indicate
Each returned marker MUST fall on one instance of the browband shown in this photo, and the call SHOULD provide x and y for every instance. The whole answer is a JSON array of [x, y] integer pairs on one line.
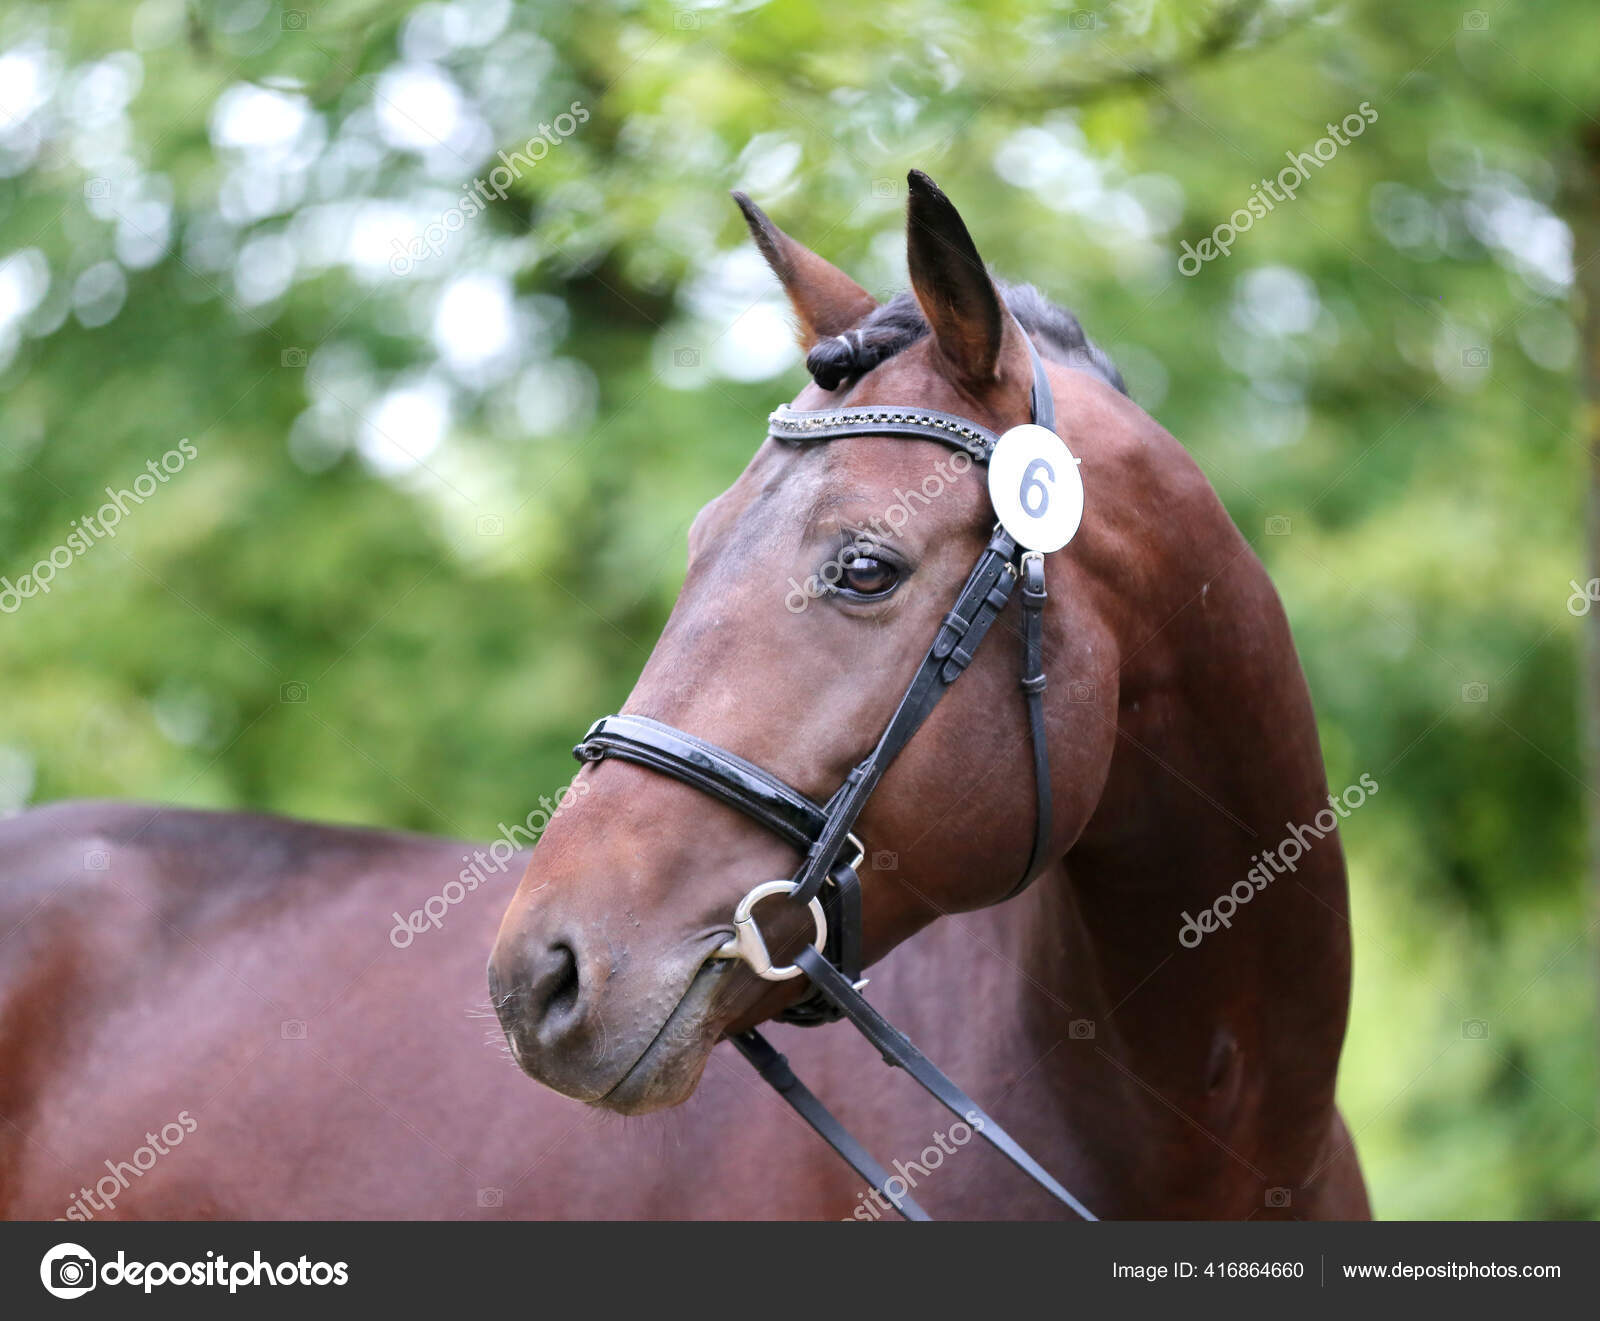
[[787, 423], [815, 424]]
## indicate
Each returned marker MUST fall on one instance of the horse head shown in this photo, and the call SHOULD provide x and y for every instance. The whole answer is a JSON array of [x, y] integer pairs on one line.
[[814, 584]]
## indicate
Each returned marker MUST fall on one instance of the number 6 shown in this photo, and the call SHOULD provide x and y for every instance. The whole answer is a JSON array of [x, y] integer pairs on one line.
[[1030, 482]]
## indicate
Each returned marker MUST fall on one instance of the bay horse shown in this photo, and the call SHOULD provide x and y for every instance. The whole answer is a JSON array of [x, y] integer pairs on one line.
[[241, 972]]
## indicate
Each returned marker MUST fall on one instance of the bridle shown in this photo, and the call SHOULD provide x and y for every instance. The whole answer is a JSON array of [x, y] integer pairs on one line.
[[827, 882]]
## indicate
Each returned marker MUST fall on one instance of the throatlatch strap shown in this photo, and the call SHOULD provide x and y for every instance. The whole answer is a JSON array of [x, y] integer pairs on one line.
[[774, 1068], [1034, 598]]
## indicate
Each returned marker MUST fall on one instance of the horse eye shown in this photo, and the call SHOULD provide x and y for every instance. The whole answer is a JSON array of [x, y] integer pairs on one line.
[[865, 574]]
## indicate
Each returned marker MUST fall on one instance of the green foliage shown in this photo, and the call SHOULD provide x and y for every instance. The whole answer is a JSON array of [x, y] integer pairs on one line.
[[1385, 362]]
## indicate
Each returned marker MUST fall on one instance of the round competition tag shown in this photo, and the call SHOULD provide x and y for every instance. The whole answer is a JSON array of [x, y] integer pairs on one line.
[[1035, 488]]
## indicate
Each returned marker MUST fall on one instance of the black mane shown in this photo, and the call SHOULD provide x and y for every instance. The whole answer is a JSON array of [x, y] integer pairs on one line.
[[899, 323]]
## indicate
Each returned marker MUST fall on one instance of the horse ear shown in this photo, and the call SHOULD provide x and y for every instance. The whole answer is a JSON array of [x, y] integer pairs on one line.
[[977, 337], [825, 300]]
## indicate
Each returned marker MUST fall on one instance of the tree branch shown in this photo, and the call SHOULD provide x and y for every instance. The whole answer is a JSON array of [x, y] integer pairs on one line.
[[1227, 29]]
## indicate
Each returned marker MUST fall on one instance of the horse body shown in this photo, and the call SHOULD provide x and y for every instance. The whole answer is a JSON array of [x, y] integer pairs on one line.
[[1155, 1079], [175, 982], [238, 969]]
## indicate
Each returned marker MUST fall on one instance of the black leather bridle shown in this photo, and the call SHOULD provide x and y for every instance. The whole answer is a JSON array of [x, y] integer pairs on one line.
[[827, 881]]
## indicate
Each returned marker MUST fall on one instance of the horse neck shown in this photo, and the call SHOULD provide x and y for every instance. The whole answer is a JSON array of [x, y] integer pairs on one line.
[[1216, 759]]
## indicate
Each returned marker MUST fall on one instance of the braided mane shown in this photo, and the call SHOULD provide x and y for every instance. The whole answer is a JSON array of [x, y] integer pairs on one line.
[[899, 323]]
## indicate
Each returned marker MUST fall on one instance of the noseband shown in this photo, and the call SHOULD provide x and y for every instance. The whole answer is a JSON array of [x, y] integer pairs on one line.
[[827, 882]]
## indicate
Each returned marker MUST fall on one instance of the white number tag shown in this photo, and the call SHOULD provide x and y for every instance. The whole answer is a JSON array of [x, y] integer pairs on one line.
[[1035, 487]]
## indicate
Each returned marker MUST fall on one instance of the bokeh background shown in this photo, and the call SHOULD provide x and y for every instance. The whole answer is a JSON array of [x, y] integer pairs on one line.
[[437, 509]]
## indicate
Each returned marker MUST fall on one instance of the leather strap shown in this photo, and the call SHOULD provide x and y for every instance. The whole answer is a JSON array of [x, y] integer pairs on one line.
[[808, 425], [774, 1069], [1034, 599], [1040, 400], [841, 905], [896, 1049], [731, 779], [984, 596]]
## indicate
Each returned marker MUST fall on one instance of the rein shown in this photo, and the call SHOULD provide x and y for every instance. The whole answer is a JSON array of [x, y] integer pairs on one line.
[[827, 882]]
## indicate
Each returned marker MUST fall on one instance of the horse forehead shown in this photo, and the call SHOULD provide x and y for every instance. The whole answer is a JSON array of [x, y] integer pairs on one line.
[[784, 481], [788, 484]]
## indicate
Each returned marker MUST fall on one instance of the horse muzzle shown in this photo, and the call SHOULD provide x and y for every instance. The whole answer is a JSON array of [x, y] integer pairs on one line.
[[613, 1026]]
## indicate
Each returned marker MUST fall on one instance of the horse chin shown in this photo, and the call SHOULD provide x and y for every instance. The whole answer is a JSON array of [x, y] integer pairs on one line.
[[668, 1071]]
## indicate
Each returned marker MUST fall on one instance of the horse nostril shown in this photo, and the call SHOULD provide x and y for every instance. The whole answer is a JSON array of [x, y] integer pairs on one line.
[[538, 994], [560, 982]]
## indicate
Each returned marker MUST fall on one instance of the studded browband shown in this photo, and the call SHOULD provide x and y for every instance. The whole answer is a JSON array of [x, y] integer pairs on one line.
[[925, 423]]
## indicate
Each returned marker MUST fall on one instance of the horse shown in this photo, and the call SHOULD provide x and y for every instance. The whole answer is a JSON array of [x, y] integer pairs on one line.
[[252, 987]]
